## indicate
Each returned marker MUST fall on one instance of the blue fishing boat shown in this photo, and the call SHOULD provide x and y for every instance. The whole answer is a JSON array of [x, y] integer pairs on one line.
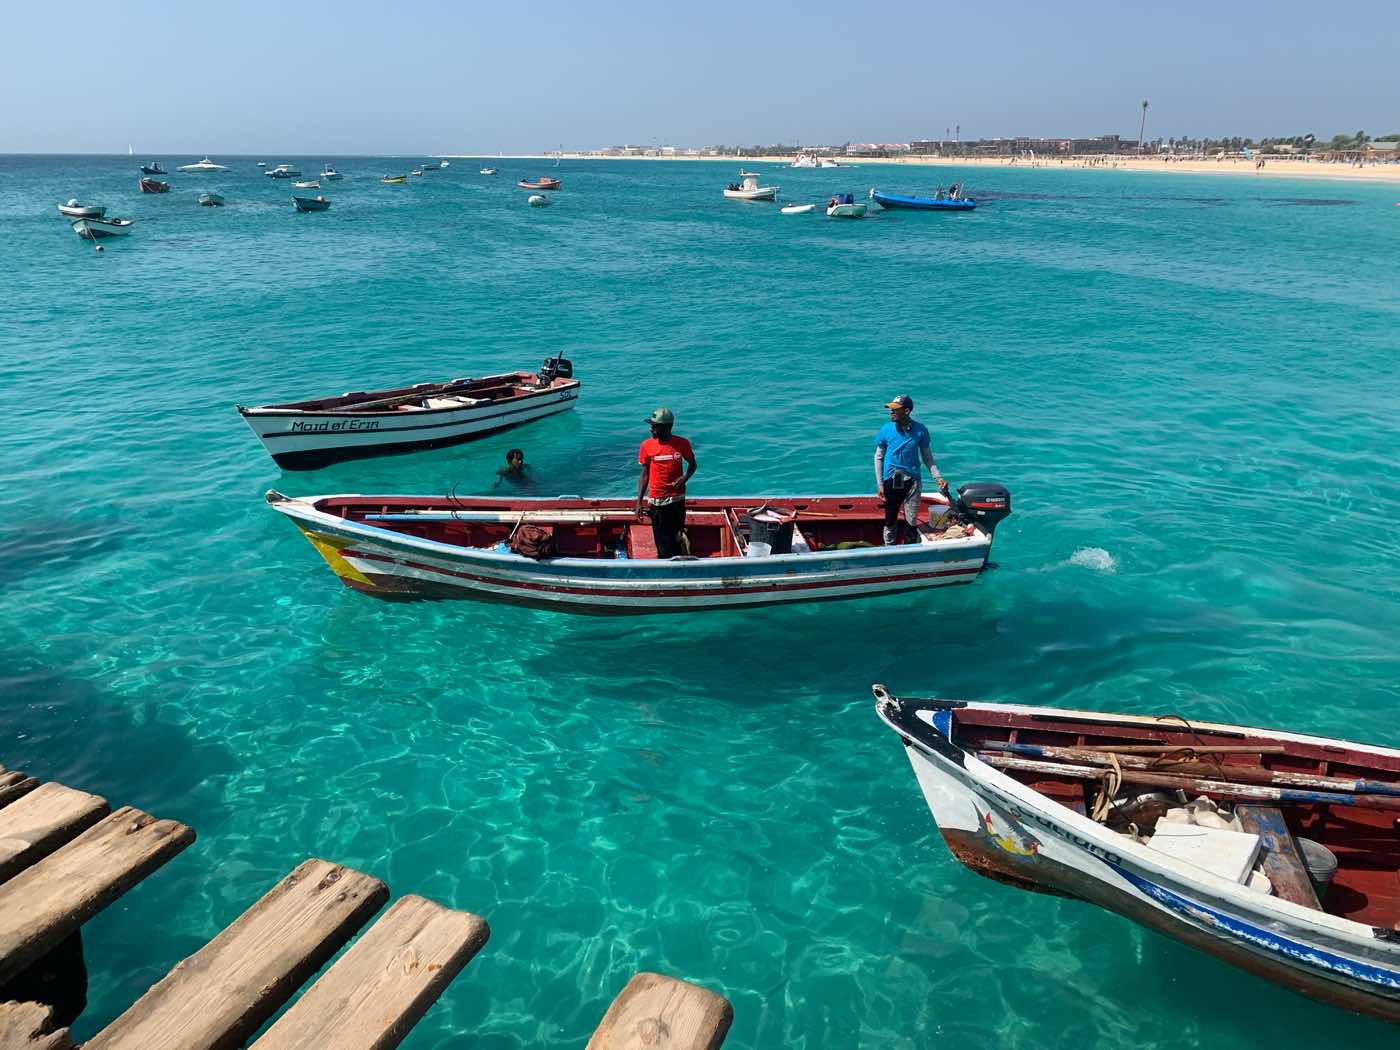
[[951, 199], [152, 168], [310, 203]]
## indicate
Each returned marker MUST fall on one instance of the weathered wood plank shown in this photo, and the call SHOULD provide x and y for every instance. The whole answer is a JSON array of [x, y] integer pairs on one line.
[[377, 991], [221, 994], [15, 785], [1283, 864], [29, 1026], [41, 821], [45, 903], [661, 1013]]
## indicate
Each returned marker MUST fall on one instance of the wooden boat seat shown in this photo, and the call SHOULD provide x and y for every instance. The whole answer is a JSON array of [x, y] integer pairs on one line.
[[640, 543], [1283, 864]]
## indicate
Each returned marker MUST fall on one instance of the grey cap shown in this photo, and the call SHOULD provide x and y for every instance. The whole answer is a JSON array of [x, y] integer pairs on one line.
[[662, 417]]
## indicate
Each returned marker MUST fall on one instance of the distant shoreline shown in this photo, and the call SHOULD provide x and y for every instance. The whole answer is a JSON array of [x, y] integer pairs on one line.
[[1291, 169]]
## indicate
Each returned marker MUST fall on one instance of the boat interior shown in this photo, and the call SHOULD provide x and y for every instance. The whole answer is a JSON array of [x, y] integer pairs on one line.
[[609, 529], [1362, 830], [457, 393]]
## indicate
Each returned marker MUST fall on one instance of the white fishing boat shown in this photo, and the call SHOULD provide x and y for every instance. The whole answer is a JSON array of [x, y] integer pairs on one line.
[[305, 434], [845, 206], [74, 210], [311, 184], [206, 166], [96, 229], [282, 171], [748, 189], [488, 171], [330, 173], [1275, 851], [537, 200], [798, 209]]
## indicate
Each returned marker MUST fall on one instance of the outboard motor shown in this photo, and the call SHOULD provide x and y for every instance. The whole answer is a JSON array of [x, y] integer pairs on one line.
[[557, 367], [983, 503]]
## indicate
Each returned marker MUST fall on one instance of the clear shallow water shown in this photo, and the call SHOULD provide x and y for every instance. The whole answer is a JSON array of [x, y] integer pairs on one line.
[[1190, 385]]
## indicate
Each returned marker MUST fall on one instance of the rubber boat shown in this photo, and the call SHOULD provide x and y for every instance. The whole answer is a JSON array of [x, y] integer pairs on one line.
[[311, 184], [394, 180], [206, 165], [153, 168], [74, 210], [304, 434], [153, 186], [96, 229], [488, 171], [951, 199], [544, 182], [1274, 851], [845, 206], [330, 173], [744, 551], [748, 189], [317, 203], [798, 209], [537, 200], [283, 171], [211, 200]]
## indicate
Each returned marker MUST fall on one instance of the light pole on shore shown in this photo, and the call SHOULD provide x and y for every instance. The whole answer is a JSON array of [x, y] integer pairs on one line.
[[1143, 126]]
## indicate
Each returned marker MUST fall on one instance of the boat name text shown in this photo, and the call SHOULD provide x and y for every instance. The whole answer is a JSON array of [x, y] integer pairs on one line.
[[340, 424]]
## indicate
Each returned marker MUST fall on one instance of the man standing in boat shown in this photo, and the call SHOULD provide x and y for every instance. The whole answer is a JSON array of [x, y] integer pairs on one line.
[[662, 484], [900, 445]]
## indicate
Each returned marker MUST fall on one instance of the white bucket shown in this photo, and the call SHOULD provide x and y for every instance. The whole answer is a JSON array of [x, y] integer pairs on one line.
[[757, 549]]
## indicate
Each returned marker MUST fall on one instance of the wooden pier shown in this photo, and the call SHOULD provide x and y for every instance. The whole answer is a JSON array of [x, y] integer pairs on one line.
[[65, 855]]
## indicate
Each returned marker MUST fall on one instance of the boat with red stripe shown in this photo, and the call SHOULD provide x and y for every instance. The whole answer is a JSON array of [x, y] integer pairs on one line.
[[596, 556]]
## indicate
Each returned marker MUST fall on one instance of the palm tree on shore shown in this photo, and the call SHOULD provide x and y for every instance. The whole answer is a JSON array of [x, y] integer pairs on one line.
[[1143, 126]]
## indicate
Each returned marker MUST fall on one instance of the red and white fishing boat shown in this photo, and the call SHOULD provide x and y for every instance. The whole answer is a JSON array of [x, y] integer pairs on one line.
[[153, 186], [1275, 851], [304, 434], [544, 182], [601, 559]]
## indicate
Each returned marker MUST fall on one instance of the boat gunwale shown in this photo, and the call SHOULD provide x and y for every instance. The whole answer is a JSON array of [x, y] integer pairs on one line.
[[284, 408]]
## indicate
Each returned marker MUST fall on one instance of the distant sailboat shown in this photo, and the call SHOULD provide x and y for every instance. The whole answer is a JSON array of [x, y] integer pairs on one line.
[[129, 151]]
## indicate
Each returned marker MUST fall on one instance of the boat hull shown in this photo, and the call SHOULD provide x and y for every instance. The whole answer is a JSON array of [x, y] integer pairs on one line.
[[1002, 829], [393, 565], [85, 211], [543, 184], [763, 193], [799, 209], [846, 211], [310, 204], [895, 200], [306, 440], [97, 229]]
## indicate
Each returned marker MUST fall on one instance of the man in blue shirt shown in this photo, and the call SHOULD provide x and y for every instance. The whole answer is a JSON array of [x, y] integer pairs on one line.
[[899, 447]]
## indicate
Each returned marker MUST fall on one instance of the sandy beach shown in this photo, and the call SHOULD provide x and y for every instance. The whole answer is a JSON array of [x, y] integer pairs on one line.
[[1292, 169]]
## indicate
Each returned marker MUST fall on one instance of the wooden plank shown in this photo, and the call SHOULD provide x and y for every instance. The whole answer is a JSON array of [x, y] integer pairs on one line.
[[43, 820], [29, 1026], [661, 1013], [45, 903], [1283, 864], [14, 785], [221, 995], [378, 990]]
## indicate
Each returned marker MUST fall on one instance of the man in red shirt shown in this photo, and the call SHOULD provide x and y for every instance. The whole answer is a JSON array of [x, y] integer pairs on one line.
[[662, 484]]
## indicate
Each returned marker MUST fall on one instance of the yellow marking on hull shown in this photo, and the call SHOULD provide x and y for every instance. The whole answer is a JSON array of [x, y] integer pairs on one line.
[[329, 548]]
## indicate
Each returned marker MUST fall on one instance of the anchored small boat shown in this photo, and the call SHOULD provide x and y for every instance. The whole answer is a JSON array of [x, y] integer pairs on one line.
[[283, 171], [748, 189], [153, 168], [1272, 850], [394, 180], [304, 434], [74, 210], [743, 552], [211, 200], [544, 182], [153, 186], [845, 206], [488, 171], [798, 209], [96, 229], [311, 184], [206, 165], [951, 199], [416, 171], [317, 203], [330, 173], [537, 200]]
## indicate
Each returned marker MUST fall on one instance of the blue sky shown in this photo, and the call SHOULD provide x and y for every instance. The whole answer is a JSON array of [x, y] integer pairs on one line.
[[422, 76]]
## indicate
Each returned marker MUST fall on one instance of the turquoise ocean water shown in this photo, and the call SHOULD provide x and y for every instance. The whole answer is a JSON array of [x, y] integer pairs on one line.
[[1189, 383]]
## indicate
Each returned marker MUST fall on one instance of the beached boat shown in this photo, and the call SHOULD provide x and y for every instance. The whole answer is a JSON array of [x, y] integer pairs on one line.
[[96, 229], [317, 203], [1284, 861], [942, 200], [330, 173], [544, 182], [845, 206], [743, 552], [537, 200], [283, 171], [488, 171], [153, 168], [305, 434], [211, 200], [798, 209], [310, 184], [748, 189], [394, 180], [74, 210], [206, 165], [153, 186]]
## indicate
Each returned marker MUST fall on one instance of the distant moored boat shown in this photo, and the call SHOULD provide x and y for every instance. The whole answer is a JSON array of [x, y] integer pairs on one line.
[[74, 210], [544, 182], [310, 203], [748, 189], [153, 168], [211, 200], [206, 165], [153, 186], [94, 229]]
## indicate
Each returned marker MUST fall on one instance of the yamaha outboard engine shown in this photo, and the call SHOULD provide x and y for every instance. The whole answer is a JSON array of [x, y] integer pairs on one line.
[[557, 367], [983, 503]]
